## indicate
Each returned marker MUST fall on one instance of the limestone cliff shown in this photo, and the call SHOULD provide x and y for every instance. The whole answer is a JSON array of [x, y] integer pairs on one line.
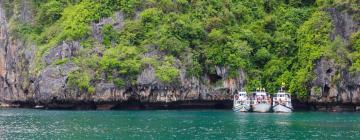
[[20, 86], [24, 83], [334, 86]]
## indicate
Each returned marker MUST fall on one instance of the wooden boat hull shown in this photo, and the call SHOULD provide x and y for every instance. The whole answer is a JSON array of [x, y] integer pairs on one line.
[[241, 108], [261, 107], [282, 109]]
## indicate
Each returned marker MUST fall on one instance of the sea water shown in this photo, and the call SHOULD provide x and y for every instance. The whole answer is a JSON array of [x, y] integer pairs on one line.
[[176, 124]]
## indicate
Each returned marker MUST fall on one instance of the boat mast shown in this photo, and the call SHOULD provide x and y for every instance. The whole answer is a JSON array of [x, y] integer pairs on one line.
[[261, 88], [282, 87]]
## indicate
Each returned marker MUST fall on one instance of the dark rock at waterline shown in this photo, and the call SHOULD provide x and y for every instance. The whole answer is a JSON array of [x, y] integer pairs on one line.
[[335, 108], [128, 105]]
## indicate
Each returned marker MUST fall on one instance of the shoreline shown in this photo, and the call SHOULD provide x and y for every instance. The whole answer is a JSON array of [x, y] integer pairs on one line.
[[178, 105], [121, 105]]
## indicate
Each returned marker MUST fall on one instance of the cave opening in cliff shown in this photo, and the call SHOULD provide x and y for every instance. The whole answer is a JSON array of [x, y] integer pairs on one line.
[[326, 90], [26, 91], [214, 78], [329, 71]]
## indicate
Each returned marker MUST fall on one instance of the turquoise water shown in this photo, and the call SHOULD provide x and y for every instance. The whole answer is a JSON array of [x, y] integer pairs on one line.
[[176, 124]]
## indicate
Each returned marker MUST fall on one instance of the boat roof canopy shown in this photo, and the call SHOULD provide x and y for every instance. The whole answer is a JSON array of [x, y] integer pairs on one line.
[[260, 93], [282, 93]]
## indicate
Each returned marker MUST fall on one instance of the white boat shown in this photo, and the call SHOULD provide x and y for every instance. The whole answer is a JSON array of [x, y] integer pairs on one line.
[[241, 103], [261, 101], [282, 102]]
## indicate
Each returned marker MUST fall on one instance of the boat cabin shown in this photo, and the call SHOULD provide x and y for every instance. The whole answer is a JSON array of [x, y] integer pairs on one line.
[[240, 96], [282, 95], [261, 96], [282, 98]]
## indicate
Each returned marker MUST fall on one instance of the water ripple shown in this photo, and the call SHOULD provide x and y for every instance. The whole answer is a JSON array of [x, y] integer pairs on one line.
[[196, 124]]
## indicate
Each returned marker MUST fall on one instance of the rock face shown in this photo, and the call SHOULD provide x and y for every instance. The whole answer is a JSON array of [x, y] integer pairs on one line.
[[63, 51], [117, 22], [20, 86], [51, 84], [344, 24], [334, 87]]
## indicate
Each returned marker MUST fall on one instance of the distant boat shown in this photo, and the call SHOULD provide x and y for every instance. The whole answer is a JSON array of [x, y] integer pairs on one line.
[[241, 102], [261, 101], [39, 107], [282, 102]]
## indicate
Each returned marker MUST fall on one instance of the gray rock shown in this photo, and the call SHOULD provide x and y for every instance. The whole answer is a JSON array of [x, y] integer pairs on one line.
[[343, 23], [109, 92], [147, 77], [51, 83], [26, 11], [3, 41], [62, 51], [117, 21]]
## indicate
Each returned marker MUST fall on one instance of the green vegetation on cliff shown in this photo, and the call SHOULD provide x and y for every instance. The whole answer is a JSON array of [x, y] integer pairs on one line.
[[273, 41]]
